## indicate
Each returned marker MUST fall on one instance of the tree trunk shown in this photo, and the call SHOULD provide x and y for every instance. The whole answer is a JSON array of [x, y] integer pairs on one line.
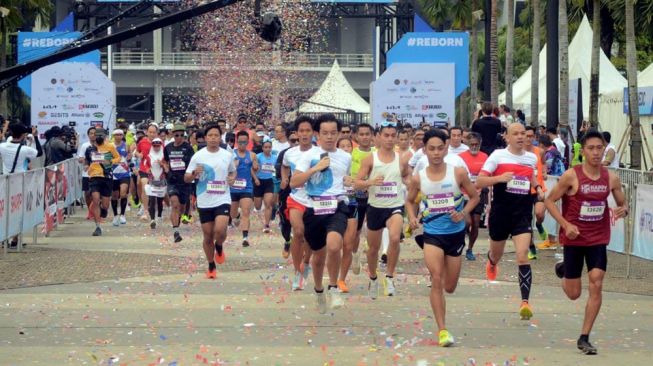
[[494, 56], [535, 63], [633, 100], [473, 79], [510, 41], [594, 72], [563, 44]]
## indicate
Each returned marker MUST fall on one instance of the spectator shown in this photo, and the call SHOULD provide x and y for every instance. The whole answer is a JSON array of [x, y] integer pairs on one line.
[[554, 163], [521, 117], [56, 148], [610, 156], [552, 132], [15, 155], [504, 115], [489, 128]]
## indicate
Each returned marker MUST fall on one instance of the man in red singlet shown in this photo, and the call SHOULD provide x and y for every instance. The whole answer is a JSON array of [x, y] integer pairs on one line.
[[585, 226], [474, 158]]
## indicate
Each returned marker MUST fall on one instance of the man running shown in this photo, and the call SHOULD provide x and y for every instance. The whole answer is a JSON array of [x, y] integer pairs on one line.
[[381, 175], [512, 173], [213, 170], [264, 182], [585, 227], [99, 159], [284, 194], [364, 135], [322, 172], [81, 155], [142, 151], [456, 145], [474, 158], [441, 187], [121, 178], [242, 189], [176, 157]]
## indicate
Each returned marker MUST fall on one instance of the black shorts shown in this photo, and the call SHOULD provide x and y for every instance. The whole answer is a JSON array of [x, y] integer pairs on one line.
[[182, 191], [209, 214], [118, 182], [595, 256], [316, 227], [266, 186], [451, 244], [362, 211], [104, 186], [377, 217], [353, 212], [237, 196], [504, 223], [85, 183], [143, 175], [480, 208]]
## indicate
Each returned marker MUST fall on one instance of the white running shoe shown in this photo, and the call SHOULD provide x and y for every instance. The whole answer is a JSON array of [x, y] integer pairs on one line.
[[321, 302], [373, 289], [297, 281], [140, 211], [153, 224], [336, 300], [123, 220], [116, 221], [388, 286]]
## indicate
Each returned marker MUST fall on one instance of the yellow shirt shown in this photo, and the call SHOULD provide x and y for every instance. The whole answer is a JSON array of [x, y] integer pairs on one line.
[[100, 160], [357, 157]]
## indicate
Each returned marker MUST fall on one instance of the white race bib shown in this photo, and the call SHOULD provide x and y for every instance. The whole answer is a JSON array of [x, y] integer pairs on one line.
[[387, 190], [519, 185], [325, 205], [177, 164], [216, 187], [440, 203], [97, 157], [155, 191], [268, 168], [240, 183], [473, 178], [591, 211]]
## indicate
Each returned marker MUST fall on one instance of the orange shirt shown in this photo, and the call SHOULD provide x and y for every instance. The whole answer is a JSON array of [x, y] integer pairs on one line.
[[541, 168]]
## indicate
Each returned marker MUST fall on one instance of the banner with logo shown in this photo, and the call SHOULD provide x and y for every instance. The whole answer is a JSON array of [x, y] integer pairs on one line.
[[617, 229], [50, 191], [3, 207], [34, 199], [61, 191], [645, 100], [72, 94], [643, 228], [15, 204], [415, 93], [69, 181]]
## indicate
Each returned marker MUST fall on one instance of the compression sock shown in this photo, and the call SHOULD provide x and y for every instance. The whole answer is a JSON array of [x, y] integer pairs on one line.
[[525, 281], [123, 205], [114, 207]]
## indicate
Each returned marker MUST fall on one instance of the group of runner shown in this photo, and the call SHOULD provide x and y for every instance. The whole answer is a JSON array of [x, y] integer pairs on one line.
[[330, 185]]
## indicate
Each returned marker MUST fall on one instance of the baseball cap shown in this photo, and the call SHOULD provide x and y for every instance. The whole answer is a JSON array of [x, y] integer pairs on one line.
[[156, 141], [100, 132], [179, 127]]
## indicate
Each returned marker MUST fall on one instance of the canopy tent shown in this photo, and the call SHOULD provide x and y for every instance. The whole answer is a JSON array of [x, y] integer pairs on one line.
[[335, 95], [645, 78], [580, 50]]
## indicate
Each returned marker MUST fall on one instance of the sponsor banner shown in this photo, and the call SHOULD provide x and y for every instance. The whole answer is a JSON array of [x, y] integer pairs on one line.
[[34, 199], [50, 187], [69, 182], [643, 228], [15, 205], [61, 191], [3, 207], [573, 107], [645, 100], [414, 93], [617, 229]]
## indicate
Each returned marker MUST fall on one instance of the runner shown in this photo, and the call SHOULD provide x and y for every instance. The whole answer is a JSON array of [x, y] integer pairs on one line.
[[280, 141], [512, 173], [322, 172], [284, 193], [176, 157], [121, 178], [213, 170], [156, 188], [474, 158], [242, 190], [81, 155], [456, 145], [585, 227], [142, 150], [381, 175], [264, 182], [349, 240], [443, 216], [99, 159], [403, 142]]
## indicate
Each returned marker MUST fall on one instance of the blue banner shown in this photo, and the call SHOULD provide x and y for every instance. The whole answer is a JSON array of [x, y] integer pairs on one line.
[[34, 45], [435, 47], [645, 100]]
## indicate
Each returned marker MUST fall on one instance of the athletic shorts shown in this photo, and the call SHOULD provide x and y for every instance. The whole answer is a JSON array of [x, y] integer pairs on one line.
[[451, 244], [209, 214], [118, 182], [104, 186], [266, 186], [362, 211], [504, 223], [292, 204], [182, 191], [316, 227], [377, 217], [143, 175], [277, 186], [237, 196], [85, 183], [353, 211], [594, 256]]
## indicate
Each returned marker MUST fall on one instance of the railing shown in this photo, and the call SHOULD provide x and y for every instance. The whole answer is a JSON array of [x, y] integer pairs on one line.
[[207, 60]]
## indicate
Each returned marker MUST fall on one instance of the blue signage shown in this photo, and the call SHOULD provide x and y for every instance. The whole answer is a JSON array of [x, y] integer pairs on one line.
[[33, 45], [435, 47], [645, 100]]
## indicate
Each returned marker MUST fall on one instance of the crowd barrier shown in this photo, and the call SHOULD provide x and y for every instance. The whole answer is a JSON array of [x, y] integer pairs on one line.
[[37, 197]]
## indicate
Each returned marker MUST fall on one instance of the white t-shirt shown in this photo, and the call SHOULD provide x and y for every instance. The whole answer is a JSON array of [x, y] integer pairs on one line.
[[615, 161], [212, 187], [560, 145], [155, 163], [451, 159], [458, 150], [329, 182], [81, 153], [8, 153], [291, 159], [279, 146]]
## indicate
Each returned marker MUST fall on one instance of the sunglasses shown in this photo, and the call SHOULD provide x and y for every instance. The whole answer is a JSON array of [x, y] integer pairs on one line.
[[294, 141], [388, 123], [346, 131], [179, 135]]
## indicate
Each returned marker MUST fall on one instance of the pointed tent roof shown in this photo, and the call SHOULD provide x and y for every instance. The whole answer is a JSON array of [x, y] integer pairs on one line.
[[580, 56], [645, 78], [337, 92]]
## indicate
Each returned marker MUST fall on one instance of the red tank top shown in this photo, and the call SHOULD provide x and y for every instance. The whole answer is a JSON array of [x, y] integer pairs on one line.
[[588, 210]]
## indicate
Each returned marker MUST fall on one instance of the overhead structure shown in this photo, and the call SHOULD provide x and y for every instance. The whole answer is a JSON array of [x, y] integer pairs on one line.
[[335, 95]]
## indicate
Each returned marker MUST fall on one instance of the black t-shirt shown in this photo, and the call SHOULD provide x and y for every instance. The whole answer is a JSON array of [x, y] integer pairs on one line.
[[178, 157], [489, 128]]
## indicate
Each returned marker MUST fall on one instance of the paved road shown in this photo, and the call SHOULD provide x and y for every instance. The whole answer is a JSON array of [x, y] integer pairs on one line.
[[132, 297]]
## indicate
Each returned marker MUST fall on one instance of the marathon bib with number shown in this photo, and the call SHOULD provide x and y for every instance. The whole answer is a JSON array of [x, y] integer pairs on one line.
[[387, 190], [97, 157], [349, 191], [155, 190], [361, 194], [240, 183], [269, 168], [591, 211], [216, 187], [177, 164], [325, 205], [440, 203], [473, 178], [519, 185]]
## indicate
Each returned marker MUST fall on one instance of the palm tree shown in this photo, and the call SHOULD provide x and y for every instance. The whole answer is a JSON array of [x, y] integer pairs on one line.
[[563, 45], [510, 41], [494, 55], [436, 11], [633, 101], [473, 78], [535, 63], [594, 70]]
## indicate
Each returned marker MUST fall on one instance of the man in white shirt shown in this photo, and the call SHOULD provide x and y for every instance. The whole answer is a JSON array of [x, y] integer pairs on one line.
[[12, 163], [456, 145], [610, 155], [557, 141]]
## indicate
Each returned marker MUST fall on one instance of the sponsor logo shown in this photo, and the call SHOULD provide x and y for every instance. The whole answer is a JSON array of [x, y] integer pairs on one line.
[[426, 107], [98, 114], [42, 114], [442, 115], [68, 107], [593, 188], [46, 42], [81, 115], [435, 42], [59, 115], [87, 106], [49, 106], [70, 89], [53, 81]]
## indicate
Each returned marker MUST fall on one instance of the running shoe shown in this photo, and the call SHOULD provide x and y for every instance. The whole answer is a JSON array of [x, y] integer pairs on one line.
[[491, 271], [178, 237], [560, 269], [286, 251], [336, 300], [547, 244], [219, 255], [185, 219], [525, 311], [321, 302], [211, 274], [97, 232], [586, 347], [446, 339], [469, 255], [543, 234], [342, 286], [266, 229], [297, 281], [116, 221], [153, 224], [373, 289], [123, 220], [140, 212], [306, 270], [384, 258], [388, 286], [532, 252], [245, 243], [356, 263]]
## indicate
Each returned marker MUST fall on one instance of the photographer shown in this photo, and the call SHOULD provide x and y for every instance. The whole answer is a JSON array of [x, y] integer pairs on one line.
[[15, 154], [59, 146]]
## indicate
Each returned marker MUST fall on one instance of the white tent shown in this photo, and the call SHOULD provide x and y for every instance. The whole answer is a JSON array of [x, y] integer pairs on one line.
[[580, 49], [645, 78], [335, 91]]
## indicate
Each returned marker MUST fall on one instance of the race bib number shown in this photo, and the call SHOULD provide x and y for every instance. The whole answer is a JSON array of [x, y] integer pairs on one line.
[[361, 194], [268, 168], [519, 185], [97, 157], [155, 190], [216, 187], [240, 183], [177, 164], [440, 203], [473, 178], [387, 190], [591, 211], [325, 205]]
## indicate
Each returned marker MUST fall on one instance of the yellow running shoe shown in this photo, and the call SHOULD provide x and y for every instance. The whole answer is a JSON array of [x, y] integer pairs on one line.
[[547, 244], [446, 339], [525, 311], [342, 286]]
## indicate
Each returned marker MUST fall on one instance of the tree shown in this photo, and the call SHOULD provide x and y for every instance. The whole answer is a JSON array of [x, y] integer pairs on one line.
[[563, 45], [594, 68], [436, 12], [535, 63], [633, 100], [509, 52], [494, 55], [461, 13]]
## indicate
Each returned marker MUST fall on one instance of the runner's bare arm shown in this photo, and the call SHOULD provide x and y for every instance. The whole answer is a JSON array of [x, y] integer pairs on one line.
[[463, 178], [619, 196], [254, 163], [285, 173], [362, 183], [484, 180], [411, 205], [405, 168]]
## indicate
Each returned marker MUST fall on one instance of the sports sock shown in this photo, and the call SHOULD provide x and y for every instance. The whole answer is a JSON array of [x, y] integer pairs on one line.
[[103, 212], [114, 207], [245, 234], [218, 248], [540, 228], [123, 205], [525, 281], [211, 266]]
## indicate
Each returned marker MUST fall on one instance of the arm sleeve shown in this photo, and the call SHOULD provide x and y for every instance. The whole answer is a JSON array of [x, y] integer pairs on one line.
[[39, 149]]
